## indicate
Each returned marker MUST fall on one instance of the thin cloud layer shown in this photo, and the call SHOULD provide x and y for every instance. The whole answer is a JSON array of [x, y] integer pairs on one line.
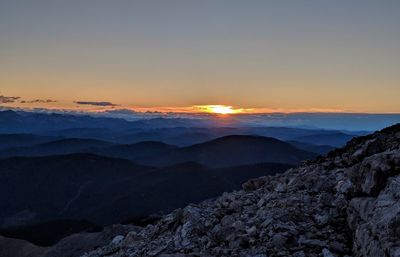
[[102, 104], [41, 101], [8, 99]]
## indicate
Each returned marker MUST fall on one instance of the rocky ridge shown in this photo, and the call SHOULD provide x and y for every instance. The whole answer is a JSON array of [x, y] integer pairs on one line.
[[344, 204]]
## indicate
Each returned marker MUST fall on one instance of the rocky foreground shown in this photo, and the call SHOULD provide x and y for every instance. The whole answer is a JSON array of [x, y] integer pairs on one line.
[[345, 204]]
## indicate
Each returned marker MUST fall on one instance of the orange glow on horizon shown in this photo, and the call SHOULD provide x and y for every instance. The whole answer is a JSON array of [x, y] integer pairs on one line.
[[218, 109], [211, 109]]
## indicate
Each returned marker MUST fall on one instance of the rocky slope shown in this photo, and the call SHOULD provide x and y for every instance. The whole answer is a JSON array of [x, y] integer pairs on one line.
[[345, 204]]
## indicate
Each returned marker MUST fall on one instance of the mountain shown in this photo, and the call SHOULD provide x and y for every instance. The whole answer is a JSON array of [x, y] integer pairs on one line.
[[344, 204], [185, 136], [58, 147], [336, 139], [103, 134], [167, 188], [36, 122], [33, 122], [145, 152], [37, 189], [176, 136], [318, 149], [174, 131], [82, 191], [237, 150], [23, 140], [222, 152]]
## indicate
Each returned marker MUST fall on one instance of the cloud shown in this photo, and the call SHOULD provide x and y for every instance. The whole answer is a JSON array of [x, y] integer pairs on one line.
[[42, 101], [8, 99], [103, 104]]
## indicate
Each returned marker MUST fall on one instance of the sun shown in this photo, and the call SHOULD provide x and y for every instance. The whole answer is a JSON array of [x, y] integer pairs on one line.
[[218, 109]]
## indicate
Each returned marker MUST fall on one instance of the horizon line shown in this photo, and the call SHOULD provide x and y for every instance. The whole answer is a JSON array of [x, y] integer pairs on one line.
[[188, 111]]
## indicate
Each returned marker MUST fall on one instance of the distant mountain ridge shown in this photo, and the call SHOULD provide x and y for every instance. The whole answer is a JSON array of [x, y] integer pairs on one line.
[[226, 151], [24, 140], [319, 149], [238, 150], [336, 139], [58, 147], [175, 131]]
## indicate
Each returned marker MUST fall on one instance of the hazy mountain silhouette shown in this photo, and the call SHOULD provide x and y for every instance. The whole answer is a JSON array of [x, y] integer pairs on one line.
[[237, 150], [222, 152], [86, 133], [174, 136], [175, 131], [26, 122], [336, 139], [23, 140], [144, 152], [319, 149], [58, 147], [33, 122]]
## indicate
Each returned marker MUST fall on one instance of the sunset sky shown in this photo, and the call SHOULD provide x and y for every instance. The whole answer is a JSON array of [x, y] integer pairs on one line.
[[256, 55]]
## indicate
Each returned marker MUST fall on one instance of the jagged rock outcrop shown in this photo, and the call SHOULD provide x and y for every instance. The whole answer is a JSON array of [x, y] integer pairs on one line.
[[345, 204]]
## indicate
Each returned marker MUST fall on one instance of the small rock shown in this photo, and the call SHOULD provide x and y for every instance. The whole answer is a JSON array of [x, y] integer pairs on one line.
[[279, 240], [118, 239], [327, 253]]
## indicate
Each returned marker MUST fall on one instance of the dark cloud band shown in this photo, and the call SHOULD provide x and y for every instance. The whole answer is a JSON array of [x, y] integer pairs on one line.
[[8, 99], [43, 101], [104, 104]]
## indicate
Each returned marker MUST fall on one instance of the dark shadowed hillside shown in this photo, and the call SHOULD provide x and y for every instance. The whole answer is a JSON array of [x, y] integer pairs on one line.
[[103, 190], [43, 188]]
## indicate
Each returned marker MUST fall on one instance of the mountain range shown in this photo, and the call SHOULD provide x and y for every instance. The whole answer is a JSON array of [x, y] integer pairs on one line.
[[343, 204], [174, 131], [66, 174], [222, 152]]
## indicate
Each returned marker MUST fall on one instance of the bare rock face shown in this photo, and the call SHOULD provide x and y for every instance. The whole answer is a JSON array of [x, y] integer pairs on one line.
[[345, 204]]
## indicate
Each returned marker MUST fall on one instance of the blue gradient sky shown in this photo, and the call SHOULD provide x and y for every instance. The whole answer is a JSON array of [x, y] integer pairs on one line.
[[286, 55]]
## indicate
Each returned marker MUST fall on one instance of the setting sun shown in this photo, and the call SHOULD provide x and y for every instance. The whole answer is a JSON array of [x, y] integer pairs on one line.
[[218, 109]]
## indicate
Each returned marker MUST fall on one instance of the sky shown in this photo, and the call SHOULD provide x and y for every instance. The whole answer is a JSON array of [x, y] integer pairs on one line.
[[254, 55]]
